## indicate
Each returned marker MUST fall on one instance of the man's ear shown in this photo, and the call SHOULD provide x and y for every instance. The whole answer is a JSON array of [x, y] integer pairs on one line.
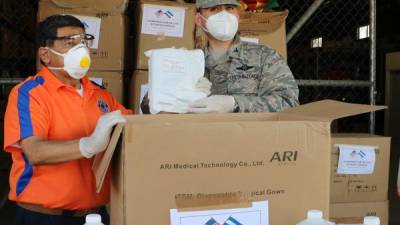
[[44, 55]]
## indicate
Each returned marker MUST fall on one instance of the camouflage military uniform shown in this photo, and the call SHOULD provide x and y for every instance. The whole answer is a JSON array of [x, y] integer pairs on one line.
[[256, 76]]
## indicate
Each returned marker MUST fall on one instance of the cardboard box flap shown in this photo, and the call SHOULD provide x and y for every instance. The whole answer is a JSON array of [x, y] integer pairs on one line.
[[329, 110], [119, 5], [202, 118], [102, 160], [262, 22]]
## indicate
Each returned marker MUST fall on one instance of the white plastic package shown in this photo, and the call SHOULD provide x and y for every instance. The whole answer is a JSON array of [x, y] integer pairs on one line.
[[173, 74]]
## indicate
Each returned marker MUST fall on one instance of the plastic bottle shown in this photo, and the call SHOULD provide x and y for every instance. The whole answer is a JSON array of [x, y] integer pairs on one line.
[[314, 217], [93, 219], [371, 220]]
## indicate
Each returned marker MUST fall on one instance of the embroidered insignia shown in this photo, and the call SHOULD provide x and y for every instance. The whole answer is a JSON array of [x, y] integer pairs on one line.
[[103, 106]]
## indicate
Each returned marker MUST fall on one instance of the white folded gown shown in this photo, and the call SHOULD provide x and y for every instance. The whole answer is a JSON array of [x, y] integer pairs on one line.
[[173, 74]]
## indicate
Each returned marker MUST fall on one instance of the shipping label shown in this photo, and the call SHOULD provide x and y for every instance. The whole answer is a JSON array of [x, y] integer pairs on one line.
[[257, 214], [355, 159], [164, 21]]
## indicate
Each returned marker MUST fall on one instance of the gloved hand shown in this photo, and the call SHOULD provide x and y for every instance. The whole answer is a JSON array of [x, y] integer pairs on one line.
[[98, 140], [214, 103], [204, 85]]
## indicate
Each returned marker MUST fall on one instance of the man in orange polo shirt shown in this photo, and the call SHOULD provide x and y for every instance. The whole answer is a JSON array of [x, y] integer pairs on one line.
[[55, 122]]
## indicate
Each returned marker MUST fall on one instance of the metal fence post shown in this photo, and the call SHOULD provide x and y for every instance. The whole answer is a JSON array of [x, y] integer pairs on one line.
[[373, 63]]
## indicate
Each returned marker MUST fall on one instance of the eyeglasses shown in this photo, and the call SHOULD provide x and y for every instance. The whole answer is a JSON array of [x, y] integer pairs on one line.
[[72, 40]]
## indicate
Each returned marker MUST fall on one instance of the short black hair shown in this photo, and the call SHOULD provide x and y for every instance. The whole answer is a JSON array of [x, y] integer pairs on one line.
[[47, 29]]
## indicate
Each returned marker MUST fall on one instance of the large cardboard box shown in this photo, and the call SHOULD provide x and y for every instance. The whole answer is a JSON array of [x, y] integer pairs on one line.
[[207, 161], [163, 24], [353, 213], [112, 81], [108, 27], [361, 188], [136, 89], [268, 28]]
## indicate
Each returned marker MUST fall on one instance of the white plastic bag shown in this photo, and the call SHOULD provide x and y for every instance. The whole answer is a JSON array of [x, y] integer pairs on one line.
[[173, 74]]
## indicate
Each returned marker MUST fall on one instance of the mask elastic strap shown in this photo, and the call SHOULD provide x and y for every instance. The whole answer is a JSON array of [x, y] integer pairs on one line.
[[55, 52], [55, 68], [63, 54], [205, 29]]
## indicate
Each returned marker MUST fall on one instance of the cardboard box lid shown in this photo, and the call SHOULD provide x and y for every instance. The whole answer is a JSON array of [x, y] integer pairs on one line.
[[265, 22], [107, 5], [323, 111], [102, 160], [328, 110]]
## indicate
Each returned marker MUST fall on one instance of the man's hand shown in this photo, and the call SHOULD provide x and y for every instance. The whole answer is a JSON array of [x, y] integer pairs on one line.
[[204, 85], [98, 140], [213, 104]]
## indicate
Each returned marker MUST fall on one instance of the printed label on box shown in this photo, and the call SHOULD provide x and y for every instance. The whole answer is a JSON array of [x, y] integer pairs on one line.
[[356, 159], [255, 215], [165, 21], [92, 26]]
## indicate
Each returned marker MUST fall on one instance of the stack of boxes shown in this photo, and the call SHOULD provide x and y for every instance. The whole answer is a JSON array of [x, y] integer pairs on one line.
[[355, 196], [160, 24], [107, 22]]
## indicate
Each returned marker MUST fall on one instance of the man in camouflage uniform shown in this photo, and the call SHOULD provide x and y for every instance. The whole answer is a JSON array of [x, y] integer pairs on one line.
[[245, 77]]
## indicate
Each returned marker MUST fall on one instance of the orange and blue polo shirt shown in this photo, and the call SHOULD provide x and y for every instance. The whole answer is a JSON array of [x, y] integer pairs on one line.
[[43, 106]]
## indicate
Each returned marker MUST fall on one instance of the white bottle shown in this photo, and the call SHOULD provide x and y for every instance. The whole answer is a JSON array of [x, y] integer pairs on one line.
[[314, 217], [371, 220], [93, 219]]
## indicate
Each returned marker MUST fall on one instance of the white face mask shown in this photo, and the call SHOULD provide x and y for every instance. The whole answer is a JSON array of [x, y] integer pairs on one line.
[[222, 26], [76, 61]]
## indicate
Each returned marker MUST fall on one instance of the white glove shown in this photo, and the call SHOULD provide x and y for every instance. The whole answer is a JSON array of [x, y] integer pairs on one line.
[[213, 104], [204, 85], [98, 140]]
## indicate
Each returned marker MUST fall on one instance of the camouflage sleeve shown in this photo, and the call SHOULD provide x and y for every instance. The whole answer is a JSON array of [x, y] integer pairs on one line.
[[277, 91]]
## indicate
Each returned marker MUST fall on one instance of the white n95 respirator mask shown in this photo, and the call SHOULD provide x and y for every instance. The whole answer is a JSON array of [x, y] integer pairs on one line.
[[222, 26], [76, 61]]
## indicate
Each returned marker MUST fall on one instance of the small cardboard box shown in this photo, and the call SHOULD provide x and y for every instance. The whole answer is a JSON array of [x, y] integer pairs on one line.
[[189, 161], [108, 27], [138, 79], [267, 28], [163, 24], [353, 213], [361, 188], [112, 81]]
